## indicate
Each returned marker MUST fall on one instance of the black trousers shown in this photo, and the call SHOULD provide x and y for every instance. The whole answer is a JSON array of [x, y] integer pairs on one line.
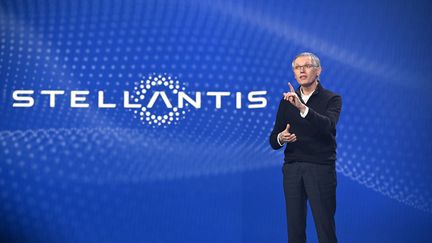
[[317, 183]]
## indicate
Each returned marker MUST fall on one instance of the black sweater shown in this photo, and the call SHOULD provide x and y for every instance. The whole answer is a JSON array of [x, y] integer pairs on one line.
[[316, 133]]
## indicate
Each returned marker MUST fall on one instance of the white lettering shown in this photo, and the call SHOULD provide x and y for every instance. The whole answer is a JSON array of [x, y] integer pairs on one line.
[[52, 94], [262, 101], [79, 96], [21, 95], [218, 96], [238, 100], [101, 103], [164, 98], [195, 103], [126, 103]]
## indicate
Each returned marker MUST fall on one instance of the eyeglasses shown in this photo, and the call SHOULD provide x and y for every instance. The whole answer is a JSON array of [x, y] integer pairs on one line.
[[306, 66]]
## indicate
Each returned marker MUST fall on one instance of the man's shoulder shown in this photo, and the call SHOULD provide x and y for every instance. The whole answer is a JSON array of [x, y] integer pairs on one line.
[[329, 93]]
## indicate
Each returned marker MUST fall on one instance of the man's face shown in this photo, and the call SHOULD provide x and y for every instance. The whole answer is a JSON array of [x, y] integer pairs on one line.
[[305, 71]]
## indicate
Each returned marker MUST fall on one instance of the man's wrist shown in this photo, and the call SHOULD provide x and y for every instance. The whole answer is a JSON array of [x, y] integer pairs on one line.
[[305, 112], [302, 108], [279, 141]]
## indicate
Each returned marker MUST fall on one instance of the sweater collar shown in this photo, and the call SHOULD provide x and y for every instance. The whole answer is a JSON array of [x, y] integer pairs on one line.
[[316, 91]]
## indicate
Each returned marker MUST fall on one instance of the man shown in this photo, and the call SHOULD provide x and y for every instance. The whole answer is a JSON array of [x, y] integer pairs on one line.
[[306, 125]]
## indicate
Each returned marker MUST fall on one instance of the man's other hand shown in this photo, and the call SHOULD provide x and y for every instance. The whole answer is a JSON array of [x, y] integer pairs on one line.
[[286, 136]]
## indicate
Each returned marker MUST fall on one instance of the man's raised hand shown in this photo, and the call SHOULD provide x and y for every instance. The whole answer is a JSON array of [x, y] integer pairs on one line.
[[293, 98]]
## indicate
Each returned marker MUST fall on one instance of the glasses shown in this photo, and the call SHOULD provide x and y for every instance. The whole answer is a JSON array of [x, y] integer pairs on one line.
[[306, 66]]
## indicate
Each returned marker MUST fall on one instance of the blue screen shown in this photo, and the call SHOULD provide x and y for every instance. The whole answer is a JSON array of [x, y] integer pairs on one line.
[[192, 163]]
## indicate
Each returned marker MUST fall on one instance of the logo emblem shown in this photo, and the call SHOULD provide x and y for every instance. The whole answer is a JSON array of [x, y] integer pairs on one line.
[[158, 87]]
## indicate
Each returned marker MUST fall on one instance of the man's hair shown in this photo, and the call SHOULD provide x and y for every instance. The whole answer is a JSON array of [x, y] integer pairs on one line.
[[315, 59]]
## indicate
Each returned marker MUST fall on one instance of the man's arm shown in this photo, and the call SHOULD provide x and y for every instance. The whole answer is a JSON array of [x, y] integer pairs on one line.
[[279, 126], [327, 122]]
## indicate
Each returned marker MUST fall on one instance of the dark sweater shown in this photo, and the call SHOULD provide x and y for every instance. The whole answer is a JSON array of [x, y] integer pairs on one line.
[[316, 133]]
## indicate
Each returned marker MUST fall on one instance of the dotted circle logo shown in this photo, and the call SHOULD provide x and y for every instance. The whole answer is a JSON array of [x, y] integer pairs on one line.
[[146, 89]]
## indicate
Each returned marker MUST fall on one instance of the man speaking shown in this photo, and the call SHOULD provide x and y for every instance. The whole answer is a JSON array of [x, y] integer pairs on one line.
[[306, 124]]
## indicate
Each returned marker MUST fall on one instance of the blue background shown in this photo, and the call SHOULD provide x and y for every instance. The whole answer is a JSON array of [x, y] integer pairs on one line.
[[100, 175]]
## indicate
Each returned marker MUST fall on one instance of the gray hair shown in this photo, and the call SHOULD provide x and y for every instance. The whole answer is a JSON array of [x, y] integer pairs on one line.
[[315, 59]]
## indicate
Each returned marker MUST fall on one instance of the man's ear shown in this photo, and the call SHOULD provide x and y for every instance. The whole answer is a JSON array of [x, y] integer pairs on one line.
[[319, 71]]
